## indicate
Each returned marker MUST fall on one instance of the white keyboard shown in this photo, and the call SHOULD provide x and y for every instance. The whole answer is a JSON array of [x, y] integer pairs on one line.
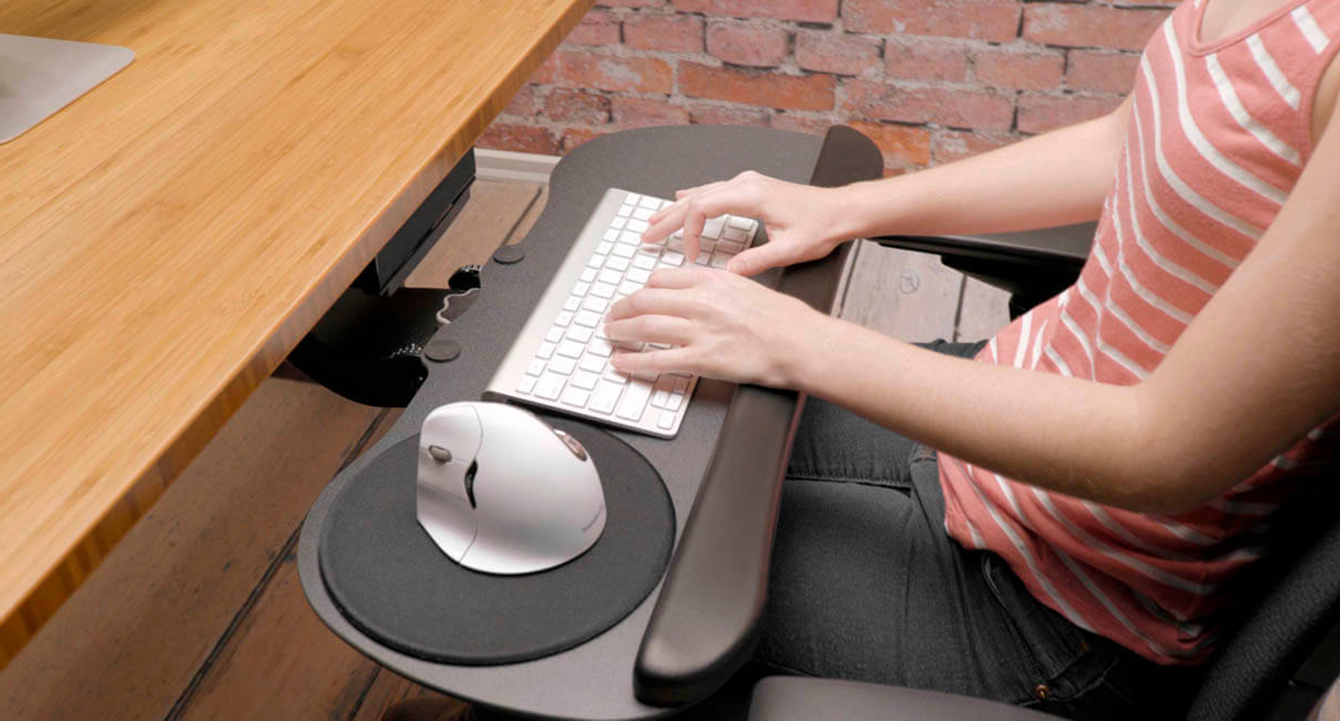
[[560, 361]]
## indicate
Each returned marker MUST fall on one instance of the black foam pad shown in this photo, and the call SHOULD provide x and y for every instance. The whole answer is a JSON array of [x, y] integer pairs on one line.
[[390, 579]]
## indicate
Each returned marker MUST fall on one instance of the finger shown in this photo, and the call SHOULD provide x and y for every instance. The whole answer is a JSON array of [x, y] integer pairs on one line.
[[664, 223], [650, 301], [699, 188], [758, 259], [655, 361], [651, 329], [678, 278]]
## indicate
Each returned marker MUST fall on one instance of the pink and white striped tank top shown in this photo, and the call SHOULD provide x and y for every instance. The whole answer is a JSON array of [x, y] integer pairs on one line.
[[1218, 136]]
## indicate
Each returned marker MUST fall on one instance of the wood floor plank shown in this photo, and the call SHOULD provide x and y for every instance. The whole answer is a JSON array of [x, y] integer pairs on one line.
[[985, 310], [131, 638], [901, 293], [282, 663], [494, 209], [393, 697]]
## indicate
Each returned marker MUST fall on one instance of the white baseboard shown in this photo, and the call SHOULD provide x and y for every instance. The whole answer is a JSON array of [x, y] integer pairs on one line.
[[507, 165]]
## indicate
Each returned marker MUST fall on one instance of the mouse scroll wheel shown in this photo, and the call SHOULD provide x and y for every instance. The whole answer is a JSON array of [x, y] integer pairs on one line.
[[573, 444]]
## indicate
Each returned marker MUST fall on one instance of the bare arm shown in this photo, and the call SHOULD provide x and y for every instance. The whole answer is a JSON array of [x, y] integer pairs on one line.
[[1257, 367]]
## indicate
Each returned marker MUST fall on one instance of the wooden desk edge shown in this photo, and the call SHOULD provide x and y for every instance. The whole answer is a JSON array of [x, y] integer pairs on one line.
[[46, 595]]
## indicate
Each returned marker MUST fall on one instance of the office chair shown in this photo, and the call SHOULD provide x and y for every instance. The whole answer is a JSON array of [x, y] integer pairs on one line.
[[1281, 648]]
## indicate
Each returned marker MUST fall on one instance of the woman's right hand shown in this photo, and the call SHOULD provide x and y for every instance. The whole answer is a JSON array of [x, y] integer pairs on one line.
[[802, 221]]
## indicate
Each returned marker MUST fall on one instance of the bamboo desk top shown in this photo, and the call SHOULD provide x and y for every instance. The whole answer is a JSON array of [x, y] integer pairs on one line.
[[169, 237]]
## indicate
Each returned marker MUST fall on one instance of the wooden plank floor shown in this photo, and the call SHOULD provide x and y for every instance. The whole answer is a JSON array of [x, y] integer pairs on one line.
[[198, 613]]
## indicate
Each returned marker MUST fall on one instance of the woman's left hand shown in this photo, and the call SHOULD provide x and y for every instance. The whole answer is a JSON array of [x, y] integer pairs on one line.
[[718, 324]]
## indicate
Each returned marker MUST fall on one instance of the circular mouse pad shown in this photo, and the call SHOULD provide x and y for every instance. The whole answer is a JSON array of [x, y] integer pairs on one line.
[[392, 582]]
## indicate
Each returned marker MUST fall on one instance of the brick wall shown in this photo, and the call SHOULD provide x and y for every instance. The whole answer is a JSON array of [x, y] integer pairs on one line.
[[929, 81]]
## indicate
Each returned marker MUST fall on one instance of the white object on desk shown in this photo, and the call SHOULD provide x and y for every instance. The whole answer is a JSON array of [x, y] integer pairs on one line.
[[39, 76]]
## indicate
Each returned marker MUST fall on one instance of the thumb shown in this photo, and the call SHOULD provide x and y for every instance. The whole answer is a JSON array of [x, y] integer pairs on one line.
[[756, 260]]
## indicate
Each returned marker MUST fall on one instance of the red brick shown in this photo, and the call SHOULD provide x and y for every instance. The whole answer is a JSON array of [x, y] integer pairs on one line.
[[925, 59], [901, 144], [1019, 70], [829, 52], [1040, 113], [1101, 72], [950, 145], [756, 47], [819, 11], [523, 103], [572, 137], [631, 3], [995, 20], [597, 28], [572, 69], [801, 124], [704, 114], [641, 113], [769, 90], [671, 33], [953, 108], [575, 106], [521, 138], [1081, 26]]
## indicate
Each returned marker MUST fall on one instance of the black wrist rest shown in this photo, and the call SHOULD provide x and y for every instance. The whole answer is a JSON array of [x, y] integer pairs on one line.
[[705, 622]]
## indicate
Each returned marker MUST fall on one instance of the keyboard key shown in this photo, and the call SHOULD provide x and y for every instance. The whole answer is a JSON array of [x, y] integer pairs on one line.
[[643, 213], [595, 304], [580, 334], [604, 248], [610, 276], [733, 235], [526, 385], [648, 202], [591, 363], [632, 199], [563, 318], [554, 335], [611, 235], [745, 224], [720, 259], [600, 347], [658, 399], [638, 275], [625, 210], [596, 261], [572, 303], [562, 365], [549, 386], [588, 275], [712, 228], [673, 258], [617, 224], [672, 402], [585, 380], [707, 246], [605, 397], [575, 397], [703, 259], [637, 226], [630, 238], [634, 400], [673, 243], [624, 250], [614, 376], [644, 261], [535, 368], [667, 421], [546, 351], [730, 247], [648, 376], [580, 289], [628, 287], [570, 349], [681, 384], [601, 290], [617, 263], [587, 318], [666, 204]]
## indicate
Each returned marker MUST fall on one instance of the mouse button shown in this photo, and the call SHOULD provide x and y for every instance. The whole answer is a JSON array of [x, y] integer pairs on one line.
[[448, 520], [450, 433]]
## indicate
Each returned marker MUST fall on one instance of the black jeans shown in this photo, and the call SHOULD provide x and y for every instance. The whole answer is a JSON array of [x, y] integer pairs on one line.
[[866, 585]]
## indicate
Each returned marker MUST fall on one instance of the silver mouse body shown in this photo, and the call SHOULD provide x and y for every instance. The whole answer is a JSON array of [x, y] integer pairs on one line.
[[500, 491]]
